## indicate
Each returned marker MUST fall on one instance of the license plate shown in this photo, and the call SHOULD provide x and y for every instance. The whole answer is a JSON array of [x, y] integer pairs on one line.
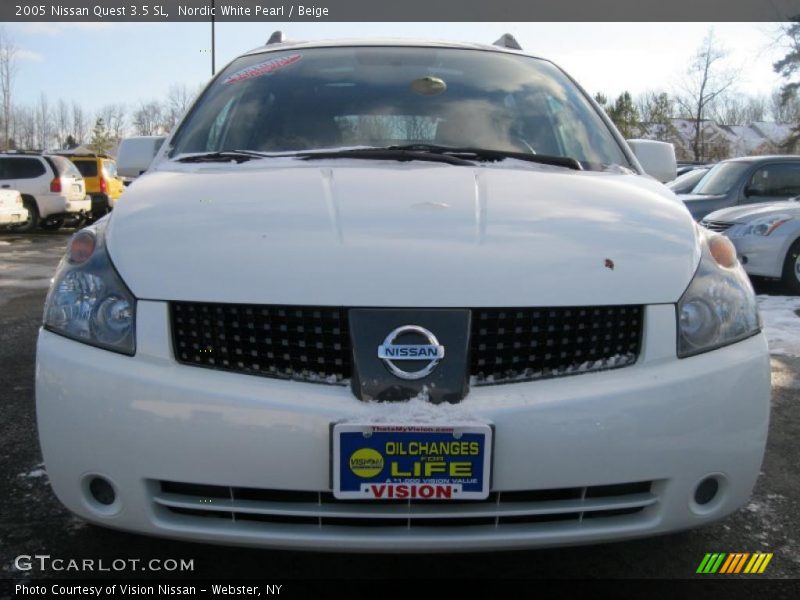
[[411, 462]]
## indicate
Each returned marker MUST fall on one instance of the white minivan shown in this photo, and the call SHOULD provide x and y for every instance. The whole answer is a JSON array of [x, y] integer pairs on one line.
[[401, 296]]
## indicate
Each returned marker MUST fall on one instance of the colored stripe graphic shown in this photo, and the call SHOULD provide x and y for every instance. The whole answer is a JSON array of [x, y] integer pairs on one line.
[[727, 564], [734, 563], [703, 563], [767, 558], [740, 563], [755, 562], [711, 563]]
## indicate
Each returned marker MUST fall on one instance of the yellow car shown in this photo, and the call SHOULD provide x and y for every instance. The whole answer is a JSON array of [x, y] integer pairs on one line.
[[102, 182]]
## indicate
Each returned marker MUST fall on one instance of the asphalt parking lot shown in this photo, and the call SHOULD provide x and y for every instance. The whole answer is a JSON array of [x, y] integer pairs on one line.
[[33, 522]]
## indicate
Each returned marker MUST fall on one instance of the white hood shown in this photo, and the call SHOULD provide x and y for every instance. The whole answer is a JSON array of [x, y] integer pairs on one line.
[[369, 233]]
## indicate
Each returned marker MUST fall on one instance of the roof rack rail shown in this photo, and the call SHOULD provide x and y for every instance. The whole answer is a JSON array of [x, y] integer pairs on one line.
[[508, 41], [23, 152], [81, 154], [275, 38]]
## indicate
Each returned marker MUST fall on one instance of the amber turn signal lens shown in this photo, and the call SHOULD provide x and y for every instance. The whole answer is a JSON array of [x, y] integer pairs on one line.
[[723, 251], [81, 247]]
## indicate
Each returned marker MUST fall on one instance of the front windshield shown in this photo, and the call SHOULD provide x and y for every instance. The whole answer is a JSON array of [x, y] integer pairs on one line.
[[721, 178], [322, 98], [687, 181]]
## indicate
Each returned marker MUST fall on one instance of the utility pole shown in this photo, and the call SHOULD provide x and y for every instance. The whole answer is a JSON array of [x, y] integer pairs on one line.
[[213, 49]]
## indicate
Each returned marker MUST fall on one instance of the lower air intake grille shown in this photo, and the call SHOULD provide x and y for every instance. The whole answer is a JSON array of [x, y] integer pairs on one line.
[[321, 509]]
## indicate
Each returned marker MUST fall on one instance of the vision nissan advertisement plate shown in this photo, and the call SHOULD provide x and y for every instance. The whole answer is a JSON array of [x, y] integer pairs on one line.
[[411, 462]]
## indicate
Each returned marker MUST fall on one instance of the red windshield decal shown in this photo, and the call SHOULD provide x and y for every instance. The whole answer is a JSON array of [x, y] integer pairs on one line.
[[264, 68]]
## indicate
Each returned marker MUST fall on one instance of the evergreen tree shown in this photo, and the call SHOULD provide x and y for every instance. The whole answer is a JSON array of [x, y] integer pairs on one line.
[[661, 111], [101, 138], [626, 116], [601, 99], [789, 68]]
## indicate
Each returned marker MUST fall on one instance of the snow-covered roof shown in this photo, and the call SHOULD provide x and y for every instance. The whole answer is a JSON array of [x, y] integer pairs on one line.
[[742, 140], [775, 132]]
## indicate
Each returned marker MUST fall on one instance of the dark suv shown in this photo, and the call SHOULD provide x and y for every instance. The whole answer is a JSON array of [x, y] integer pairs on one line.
[[744, 180]]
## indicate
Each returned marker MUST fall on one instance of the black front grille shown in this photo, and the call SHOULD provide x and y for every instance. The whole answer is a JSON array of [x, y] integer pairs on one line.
[[510, 344], [308, 343], [717, 226], [312, 343]]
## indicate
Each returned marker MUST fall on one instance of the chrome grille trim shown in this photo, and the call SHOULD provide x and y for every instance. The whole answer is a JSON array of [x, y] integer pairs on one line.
[[717, 226]]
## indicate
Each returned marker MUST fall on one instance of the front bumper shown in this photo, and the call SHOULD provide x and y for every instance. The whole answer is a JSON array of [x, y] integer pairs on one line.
[[762, 256], [144, 420]]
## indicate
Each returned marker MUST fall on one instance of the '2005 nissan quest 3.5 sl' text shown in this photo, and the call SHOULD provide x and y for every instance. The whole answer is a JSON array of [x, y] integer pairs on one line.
[[400, 296]]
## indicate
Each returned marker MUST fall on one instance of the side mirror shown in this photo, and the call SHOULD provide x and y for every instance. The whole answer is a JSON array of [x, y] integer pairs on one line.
[[657, 158], [135, 154]]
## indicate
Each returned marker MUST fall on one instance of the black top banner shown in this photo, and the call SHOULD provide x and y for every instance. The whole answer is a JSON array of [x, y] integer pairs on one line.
[[408, 10]]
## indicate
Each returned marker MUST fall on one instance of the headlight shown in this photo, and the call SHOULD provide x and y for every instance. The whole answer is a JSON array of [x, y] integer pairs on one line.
[[762, 226], [88, 300], [719, 306]]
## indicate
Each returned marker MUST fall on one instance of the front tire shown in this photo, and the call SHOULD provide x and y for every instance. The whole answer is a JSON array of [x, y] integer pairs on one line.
[[33, 216], [791, 269]]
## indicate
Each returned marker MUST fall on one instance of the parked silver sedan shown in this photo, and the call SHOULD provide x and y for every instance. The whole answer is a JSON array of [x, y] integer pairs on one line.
[[766, 236]]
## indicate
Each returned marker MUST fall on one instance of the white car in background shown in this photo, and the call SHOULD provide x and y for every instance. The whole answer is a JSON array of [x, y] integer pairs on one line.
[[401, 296], [766, 236], [11, 209], [52, 188]]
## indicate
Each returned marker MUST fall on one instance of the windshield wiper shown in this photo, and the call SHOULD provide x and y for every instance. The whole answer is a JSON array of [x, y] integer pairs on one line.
[[239, 156], [485, 154], [424, 152], [388, 153]]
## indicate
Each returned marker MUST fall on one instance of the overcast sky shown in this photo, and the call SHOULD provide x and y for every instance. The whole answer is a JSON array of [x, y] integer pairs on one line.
[[98, 63]]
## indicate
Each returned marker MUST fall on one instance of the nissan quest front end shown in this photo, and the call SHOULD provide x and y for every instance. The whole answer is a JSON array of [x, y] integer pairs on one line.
[[400, 297]]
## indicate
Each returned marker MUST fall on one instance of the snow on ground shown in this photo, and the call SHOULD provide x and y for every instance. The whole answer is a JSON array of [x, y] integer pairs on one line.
[[36, 472], [781, 316]]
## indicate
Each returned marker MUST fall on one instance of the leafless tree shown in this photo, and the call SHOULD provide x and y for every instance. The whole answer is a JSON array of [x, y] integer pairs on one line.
[[113, 116], [62, 122], [24, 127], [148, 118], [44, 122], [8, 71], [79, 123], [178, 100], [706, 79], [735, 109]]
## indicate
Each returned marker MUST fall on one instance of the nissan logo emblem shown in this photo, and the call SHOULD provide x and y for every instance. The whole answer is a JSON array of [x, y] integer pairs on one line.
[[391, 353]]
